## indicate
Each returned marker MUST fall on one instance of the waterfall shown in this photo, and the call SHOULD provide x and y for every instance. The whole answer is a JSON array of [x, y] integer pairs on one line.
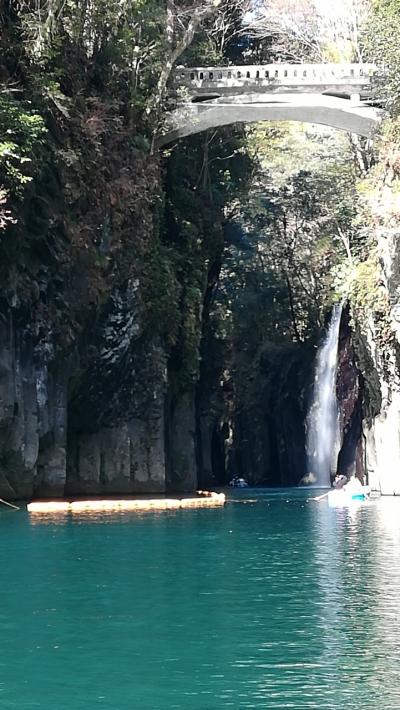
[[322, 420]]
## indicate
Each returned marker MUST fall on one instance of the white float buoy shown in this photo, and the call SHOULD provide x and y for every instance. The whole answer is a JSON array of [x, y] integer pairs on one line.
[[206, 499]]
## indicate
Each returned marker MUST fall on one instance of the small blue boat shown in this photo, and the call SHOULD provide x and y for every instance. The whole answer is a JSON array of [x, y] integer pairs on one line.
[[342, 497], [238, 482]]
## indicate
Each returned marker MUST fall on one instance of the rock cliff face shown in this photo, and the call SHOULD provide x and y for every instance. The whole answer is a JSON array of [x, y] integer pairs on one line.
[[107, 277], [378, 339], [99, 420], [116, 406], [93, 309], [181, 464], [263, 437], [33, 395], [382, 430], [267, 443], [110, 428], [349, 390], [101, 417], [73, 427]]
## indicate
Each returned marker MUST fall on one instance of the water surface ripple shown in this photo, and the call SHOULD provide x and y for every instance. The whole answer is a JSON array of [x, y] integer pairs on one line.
[[272, 602]]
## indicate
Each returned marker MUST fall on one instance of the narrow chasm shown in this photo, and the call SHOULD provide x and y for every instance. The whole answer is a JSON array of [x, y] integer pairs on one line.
[[164, 299], [199, 354]]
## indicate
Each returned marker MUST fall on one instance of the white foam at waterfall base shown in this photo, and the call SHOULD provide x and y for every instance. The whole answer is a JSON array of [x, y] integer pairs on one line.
[[322, 419]]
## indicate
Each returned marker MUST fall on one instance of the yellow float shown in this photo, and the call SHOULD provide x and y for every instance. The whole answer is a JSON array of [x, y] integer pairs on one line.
[[204, 499]]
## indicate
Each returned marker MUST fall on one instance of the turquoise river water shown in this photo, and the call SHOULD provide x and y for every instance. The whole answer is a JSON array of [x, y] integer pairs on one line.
[[271, 602]]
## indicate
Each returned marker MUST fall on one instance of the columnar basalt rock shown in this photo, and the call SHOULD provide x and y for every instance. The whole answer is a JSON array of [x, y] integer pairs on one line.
[[267, 441], [128, 458], [88, 424], [116, 418], [181, 447], [381, 432], [378, 350], [33, 411]]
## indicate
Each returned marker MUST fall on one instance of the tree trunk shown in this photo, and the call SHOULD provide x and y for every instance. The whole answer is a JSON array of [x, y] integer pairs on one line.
[[291, 302], [199, 15]]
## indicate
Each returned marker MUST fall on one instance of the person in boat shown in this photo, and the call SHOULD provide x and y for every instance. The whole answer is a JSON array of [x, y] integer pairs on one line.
[[238, 482], [355, 487], [340, 481], [352, 486]]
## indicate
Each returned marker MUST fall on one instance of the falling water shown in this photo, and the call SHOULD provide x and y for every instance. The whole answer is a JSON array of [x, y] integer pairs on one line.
[[322, 421]]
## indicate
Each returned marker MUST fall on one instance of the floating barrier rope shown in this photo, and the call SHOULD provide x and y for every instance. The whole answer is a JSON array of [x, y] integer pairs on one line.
[[10, 505]]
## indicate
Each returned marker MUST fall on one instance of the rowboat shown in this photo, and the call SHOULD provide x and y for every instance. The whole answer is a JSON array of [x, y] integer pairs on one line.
[[342, 497], [237, 482]]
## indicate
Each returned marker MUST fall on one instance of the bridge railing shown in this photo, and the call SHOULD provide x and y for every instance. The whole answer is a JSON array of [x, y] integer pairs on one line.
[[275, 74]]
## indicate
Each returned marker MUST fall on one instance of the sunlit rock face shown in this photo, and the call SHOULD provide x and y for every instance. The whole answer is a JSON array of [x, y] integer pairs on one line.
[[382, 432]]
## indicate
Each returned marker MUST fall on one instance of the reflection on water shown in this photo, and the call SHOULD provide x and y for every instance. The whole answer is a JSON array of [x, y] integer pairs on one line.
[[276, 603], [359, 575]]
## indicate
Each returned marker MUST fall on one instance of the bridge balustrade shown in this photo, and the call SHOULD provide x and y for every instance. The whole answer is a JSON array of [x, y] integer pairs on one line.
[[297, 74]]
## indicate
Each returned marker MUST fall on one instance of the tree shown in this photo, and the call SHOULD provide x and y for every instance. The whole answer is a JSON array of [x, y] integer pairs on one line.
[[381, 38], [182, 21], [309, 31], [289, 27], [297, 226], [341, 30]]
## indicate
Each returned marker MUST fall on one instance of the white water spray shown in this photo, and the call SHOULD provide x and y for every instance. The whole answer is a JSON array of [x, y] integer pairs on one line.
[[322, 420]]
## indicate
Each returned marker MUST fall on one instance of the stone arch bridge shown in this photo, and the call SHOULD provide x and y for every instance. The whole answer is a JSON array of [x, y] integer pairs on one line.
[[336, 95]]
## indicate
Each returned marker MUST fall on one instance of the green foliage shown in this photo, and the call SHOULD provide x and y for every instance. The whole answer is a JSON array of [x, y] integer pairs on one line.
[[94, 215], [301, 216], [371, 285], [366, 291], [23, 137], [295, 246], [370, 318], [76, 76], [205, 177], [71, 46], [161, 292], [382, 44], [6, 217]]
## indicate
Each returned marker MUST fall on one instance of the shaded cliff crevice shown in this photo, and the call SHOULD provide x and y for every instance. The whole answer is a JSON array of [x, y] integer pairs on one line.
[[350, 398]]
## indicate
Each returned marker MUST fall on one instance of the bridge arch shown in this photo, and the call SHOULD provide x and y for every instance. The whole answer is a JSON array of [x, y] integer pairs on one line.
[[328, 111], [333, 95]]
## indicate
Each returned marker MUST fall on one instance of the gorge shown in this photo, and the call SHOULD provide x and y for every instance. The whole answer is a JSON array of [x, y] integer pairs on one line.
[[160, 308], [200, 283]]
